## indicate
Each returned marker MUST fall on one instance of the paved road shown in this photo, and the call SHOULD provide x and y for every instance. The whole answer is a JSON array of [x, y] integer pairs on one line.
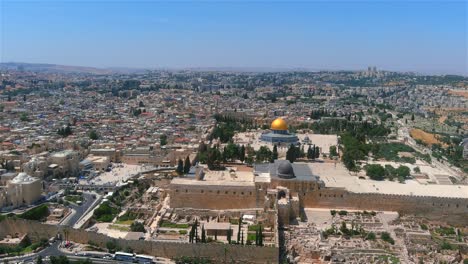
[[53, 250], [79, 210]]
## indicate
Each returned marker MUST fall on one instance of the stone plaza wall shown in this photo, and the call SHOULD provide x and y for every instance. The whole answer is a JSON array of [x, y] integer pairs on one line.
[[214, 197], [218, 252], [452, 210]]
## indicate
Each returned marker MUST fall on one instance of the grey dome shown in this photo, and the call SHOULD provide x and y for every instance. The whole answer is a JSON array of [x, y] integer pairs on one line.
[[285, 170]]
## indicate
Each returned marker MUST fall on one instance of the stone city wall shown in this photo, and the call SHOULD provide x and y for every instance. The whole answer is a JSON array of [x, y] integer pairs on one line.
[[215, 197], [452, 210], [218, 252]]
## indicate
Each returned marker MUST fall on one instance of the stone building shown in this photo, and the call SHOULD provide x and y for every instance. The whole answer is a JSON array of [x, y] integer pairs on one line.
[[64, 163], [279, 133], [21, 190], [464, 144], [288, 188]]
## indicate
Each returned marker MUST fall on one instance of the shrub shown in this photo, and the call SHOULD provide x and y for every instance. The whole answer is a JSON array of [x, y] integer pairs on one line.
[[168, 224], [387, 238], [447, 246], [36, 213], [375, 171], [137, 227], [105, 212], [371, 236], [446, 231]]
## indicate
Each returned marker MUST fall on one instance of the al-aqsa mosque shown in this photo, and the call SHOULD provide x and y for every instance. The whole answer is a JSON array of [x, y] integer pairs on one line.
[[279, 133]]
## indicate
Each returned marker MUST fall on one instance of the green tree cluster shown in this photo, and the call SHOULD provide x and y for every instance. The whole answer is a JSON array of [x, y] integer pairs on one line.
[[65, 131]]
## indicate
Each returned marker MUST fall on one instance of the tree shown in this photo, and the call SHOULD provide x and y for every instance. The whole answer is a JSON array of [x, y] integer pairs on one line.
[[242, 153], [180, 167], [93, 135], [203, 235], [256, 237], [24, 117], [264, 154], [196, 231], [375, 171], [192, 232], [137, 227], [333, 151], [137, 112], [403, 171], [141, 104], [275, 153], [412, 117], [111, 246], [239, 229], [260, 236], [317, 152], [39, 260], [187, 165], [65, 131], [163, 139], [59, 260], [291, 154], [371, 236], [229, 233], [385, 236], [310, 155]]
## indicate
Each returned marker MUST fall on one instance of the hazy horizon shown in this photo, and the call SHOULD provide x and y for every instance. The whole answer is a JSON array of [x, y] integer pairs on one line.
[[416, 36]]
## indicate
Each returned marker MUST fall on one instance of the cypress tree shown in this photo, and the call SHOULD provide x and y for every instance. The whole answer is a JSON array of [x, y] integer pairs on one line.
[[229, 236], [317, 152], [309, 152], [275, 153], [203, 235], [242, 153], [256, 237], [239, 229], [196, 231], [187, 165], [260, 238], [180, 167]]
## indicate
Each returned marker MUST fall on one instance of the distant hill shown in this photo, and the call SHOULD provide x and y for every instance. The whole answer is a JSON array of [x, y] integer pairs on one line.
[[54, 68]]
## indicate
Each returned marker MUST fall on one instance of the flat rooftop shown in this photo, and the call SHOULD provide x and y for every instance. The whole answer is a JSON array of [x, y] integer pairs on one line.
[[229, 177]]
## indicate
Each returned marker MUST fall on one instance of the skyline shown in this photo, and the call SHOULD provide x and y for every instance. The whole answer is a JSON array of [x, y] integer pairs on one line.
[[425, 37]]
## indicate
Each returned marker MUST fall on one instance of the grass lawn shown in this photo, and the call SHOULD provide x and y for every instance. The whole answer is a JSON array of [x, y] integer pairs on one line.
[[168, 224], [124, 222], [120, 228], [74, 198]]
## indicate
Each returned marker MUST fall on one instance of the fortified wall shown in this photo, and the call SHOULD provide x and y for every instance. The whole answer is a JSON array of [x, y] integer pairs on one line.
[[216, 197], [451, 210], [218, 252]]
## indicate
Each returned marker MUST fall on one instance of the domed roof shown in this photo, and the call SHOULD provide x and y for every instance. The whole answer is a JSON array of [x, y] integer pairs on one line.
[[285, 169], [279, 124]]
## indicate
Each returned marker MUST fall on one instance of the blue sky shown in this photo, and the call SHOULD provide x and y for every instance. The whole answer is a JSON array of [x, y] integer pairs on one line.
[[424, 36]]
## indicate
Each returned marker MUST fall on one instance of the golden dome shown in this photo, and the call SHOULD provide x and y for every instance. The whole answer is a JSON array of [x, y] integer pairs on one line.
[[279, 124]]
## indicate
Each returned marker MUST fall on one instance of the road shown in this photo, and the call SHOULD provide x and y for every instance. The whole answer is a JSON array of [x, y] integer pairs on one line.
[[53, 250], [79, 210]]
